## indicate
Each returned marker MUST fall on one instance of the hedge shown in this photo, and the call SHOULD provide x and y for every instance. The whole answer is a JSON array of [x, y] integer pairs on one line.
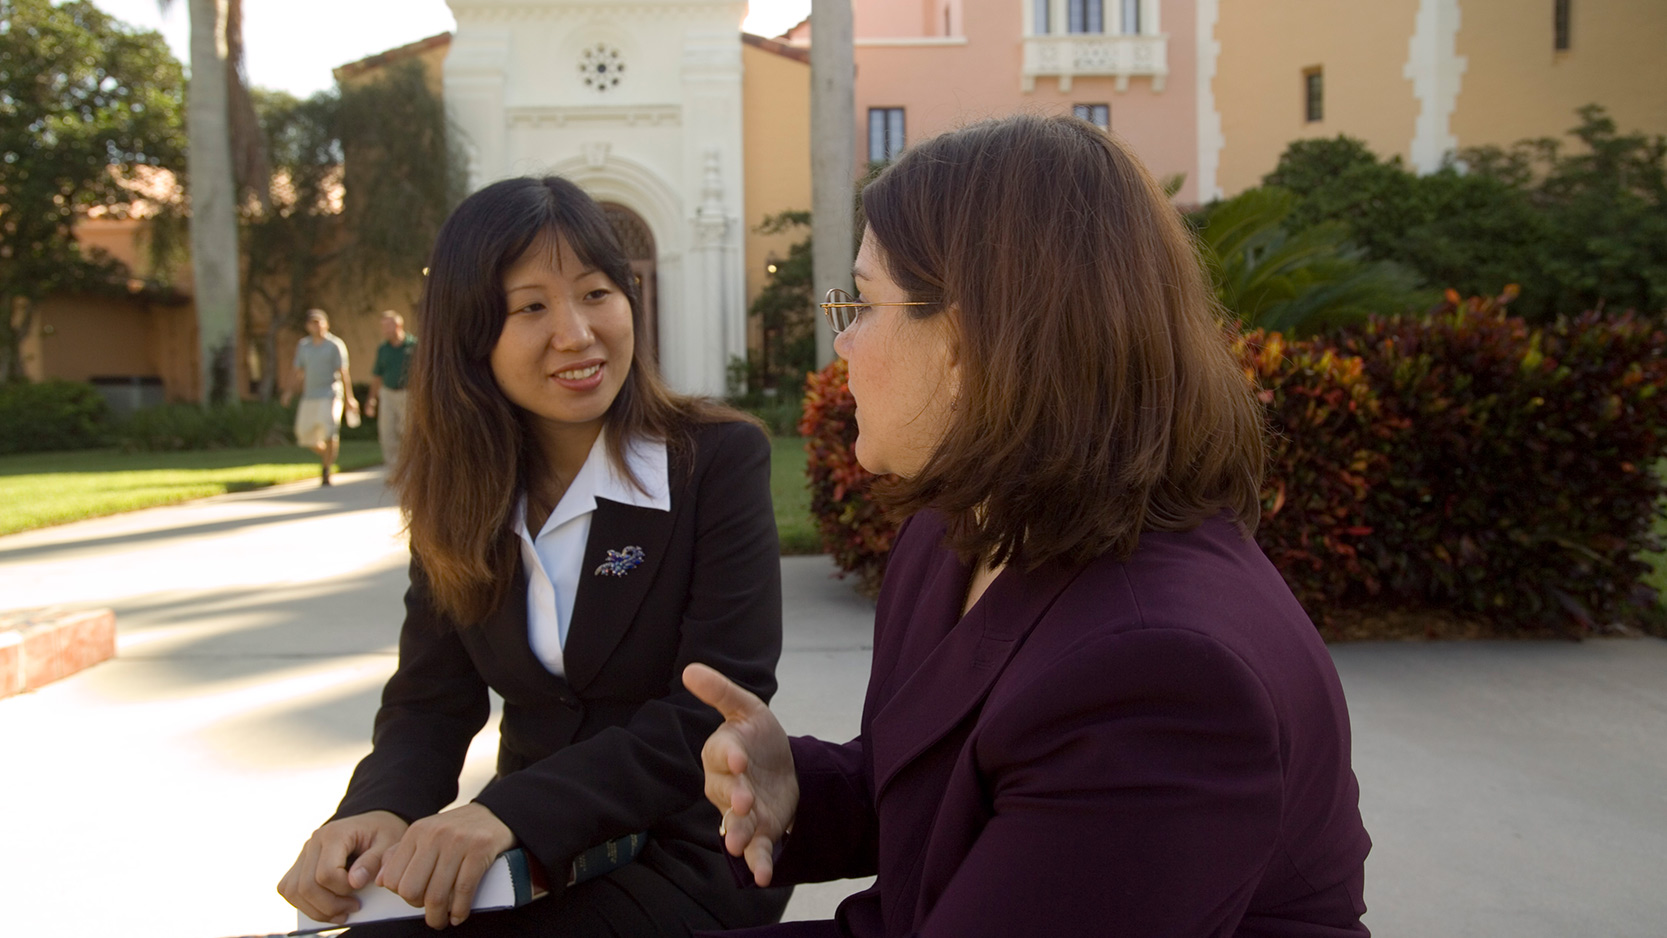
[[1522, 485], [50, 416], [192, 427], [853, 528], [1463, 461]]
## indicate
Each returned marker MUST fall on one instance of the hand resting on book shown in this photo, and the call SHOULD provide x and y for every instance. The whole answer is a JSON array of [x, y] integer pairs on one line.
[[321, 883], [436, 864], [440, 860]]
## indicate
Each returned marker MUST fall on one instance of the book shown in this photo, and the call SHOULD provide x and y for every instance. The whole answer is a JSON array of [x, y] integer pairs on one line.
[[514, 879], [605, 858]]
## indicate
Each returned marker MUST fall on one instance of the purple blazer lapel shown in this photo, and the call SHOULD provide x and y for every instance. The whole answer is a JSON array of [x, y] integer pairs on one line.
[[957, 674]]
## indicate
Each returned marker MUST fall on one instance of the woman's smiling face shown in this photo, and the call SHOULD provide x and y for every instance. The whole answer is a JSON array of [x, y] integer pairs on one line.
[[903, 372], [567, 343]]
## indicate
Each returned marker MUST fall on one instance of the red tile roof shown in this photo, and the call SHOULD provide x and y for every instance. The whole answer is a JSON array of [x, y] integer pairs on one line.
[[796, 53], [392, 55]]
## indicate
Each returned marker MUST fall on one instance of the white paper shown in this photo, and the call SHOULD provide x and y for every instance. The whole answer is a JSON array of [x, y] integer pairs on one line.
[[496, 891]]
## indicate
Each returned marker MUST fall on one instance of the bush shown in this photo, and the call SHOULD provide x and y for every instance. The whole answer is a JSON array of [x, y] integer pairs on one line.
[[51, 416], [781, 415], [1274, 276], [1325, 456], [1521, 484], [191, 427], [853, 529]]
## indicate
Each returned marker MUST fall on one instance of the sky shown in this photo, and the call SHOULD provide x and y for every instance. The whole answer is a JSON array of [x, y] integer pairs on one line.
[[289, 47]]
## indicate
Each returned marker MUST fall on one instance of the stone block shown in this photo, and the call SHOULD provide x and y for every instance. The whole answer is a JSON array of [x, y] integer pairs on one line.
[[39, 646], [11, 664]]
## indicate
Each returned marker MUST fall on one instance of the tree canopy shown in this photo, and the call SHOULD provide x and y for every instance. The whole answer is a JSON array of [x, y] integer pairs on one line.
[[1578, 224], [85, 101]]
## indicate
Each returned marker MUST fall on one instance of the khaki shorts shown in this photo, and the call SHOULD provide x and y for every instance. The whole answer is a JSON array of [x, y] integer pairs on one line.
[[318, 420]]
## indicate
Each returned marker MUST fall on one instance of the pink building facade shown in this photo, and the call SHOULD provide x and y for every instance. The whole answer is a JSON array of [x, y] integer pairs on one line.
[[927, 66]]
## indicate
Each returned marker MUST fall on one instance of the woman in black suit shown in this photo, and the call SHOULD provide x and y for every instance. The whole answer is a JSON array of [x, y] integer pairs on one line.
[[578, 534]]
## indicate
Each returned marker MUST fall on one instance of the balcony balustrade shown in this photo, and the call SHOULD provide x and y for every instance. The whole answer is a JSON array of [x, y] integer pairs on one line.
[[1121, 57]]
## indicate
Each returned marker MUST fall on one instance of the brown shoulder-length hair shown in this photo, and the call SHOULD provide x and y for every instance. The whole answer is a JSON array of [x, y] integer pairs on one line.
[[1099, 394], [468, 452]]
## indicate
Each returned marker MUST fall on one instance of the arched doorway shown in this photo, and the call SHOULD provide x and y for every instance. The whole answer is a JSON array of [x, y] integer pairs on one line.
[[638, 241]]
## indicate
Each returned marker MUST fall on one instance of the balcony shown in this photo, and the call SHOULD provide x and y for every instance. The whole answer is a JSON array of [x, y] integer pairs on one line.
[[1085, 54]]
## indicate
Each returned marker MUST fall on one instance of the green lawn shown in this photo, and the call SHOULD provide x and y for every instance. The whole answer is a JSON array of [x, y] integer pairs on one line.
[[40, 489], [792, 496]]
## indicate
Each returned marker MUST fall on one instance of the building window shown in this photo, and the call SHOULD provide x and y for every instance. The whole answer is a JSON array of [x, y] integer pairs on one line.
[[1040, 24], [885, 134], [1313, 93], [1097, 114], [1087, 16], [1131, 17], [1560, 24]]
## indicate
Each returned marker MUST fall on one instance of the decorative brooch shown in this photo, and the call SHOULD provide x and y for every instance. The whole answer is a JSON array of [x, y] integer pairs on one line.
[[621, 562]]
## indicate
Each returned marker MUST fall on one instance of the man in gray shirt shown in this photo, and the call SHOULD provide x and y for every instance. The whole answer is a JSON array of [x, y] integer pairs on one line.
[[321, 373]]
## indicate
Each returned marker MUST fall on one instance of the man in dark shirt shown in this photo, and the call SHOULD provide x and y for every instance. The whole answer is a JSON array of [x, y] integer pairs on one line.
[[387, 384]]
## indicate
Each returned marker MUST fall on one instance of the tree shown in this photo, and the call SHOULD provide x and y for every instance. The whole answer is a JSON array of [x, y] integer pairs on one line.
[[290, 239], [86, 102], [362, 178], [1604, 207], [405, 171], [220, 122], [1577, 227], [786, 311]]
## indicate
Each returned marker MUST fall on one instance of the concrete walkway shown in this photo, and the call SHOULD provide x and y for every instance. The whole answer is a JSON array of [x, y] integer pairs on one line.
[[1513, 789]]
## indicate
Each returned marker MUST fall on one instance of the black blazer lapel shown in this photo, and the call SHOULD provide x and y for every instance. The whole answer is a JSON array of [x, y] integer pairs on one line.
[[959, 672], [504, 648], [605, 605]]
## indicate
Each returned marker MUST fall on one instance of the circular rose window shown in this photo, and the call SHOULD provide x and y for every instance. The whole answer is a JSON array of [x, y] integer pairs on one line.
[[601, 67]]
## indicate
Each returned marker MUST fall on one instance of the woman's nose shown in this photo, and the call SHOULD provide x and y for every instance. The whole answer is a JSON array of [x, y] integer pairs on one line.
[[569, 330], [842, 343]]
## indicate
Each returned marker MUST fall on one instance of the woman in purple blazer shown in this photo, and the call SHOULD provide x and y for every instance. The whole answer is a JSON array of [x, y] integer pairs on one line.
[[1095, 708]]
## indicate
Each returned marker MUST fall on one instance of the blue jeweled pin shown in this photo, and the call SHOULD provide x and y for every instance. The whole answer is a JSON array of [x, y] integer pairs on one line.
[[621, 562]]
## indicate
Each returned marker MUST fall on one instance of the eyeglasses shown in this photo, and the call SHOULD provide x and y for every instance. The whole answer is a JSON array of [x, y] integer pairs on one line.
[[842, 309]]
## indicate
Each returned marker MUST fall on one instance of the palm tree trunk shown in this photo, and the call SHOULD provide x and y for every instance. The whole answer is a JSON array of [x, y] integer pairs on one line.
[[213, 191], [833, 120]]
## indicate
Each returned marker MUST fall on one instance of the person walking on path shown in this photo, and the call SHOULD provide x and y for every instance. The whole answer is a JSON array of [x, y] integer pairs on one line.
[[387, 384], [321, 372]]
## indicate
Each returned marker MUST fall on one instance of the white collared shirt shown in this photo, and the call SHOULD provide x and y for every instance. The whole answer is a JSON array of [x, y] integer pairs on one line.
[[555, 559]]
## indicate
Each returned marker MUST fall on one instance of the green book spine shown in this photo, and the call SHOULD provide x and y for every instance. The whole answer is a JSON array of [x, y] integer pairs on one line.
[[605, 858]]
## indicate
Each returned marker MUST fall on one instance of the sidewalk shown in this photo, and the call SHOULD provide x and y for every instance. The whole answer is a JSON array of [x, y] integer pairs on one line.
[[1512, 789]]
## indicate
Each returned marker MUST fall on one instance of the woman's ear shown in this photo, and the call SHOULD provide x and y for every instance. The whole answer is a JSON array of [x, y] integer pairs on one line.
[[951, 325]]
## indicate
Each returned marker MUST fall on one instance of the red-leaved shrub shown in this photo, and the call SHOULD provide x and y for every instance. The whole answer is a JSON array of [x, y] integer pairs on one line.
[[854, 530], [1521, 482], [1325, 454]]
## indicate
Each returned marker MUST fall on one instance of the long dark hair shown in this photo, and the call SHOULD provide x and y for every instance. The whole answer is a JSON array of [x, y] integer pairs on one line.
[[1100, 398], [469, 453]]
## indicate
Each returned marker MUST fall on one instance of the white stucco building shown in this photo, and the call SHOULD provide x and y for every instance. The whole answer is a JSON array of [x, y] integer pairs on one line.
[[639, 102]]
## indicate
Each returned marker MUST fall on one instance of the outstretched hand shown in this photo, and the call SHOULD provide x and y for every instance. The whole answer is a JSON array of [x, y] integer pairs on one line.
[[749, 770]]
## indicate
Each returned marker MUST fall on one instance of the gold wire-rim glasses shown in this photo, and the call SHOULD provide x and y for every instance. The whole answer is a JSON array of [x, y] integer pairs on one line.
[[842, 309]]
